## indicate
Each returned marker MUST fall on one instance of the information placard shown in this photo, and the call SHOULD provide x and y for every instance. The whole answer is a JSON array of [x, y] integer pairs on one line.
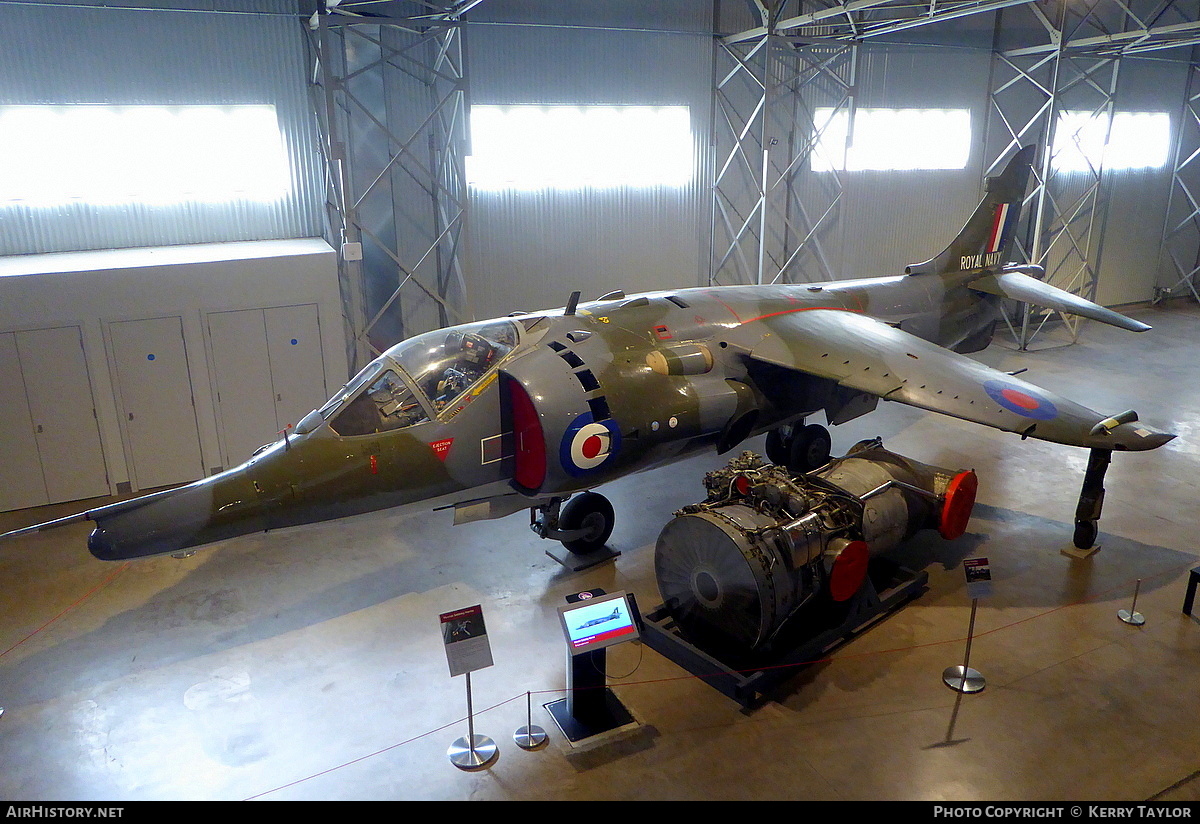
[[979, 577], [465, 637]]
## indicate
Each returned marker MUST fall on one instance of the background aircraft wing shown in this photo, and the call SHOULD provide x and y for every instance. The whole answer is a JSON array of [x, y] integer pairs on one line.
[[867, 355]]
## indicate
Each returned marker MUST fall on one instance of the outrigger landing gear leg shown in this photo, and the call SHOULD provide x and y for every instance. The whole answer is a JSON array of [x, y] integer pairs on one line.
[[1091, 499], [583, 526]]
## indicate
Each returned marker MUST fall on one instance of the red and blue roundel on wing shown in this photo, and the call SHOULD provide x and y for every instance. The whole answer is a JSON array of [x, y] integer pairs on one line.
[[588, 444], [1020, 400]]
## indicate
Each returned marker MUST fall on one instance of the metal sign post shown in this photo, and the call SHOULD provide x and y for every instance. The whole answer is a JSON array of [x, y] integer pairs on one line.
[[465, 637], [979, 583], [1131, 615], [474, 752], [963, 678]]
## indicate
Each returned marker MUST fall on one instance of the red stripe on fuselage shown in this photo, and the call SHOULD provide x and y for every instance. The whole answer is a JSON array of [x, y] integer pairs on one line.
[[726, 305], [804, 309]]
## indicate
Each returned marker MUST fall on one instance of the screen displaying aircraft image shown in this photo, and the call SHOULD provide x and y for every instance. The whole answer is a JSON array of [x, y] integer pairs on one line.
[[598, 623]]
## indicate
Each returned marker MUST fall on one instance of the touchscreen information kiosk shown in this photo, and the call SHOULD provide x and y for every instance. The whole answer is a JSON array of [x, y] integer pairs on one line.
[[591, 622]]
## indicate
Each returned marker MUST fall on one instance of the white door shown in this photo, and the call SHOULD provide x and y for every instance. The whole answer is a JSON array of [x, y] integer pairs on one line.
[[297, 361], [242, 373], [158, 415], [269, 371], [21, 481], [63, 409]]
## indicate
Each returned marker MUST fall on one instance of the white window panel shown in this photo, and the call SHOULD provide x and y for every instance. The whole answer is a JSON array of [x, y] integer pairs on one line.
[[891, 139], [575, 147], [1083, 141], [141, 154]]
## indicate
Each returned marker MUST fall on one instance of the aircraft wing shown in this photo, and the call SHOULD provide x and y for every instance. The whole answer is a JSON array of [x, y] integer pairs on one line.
[[867, 355]]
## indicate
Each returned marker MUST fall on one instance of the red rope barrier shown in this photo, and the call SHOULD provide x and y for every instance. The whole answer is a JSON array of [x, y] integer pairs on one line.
[[1096, 596], [81, 600]]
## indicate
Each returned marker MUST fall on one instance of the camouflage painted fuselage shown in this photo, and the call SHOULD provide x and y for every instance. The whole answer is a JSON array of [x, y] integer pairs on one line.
[[495, 417], [590, 367]]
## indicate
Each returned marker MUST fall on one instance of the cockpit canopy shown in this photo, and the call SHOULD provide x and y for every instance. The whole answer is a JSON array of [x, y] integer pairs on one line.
[[445, 363], [416, 379]]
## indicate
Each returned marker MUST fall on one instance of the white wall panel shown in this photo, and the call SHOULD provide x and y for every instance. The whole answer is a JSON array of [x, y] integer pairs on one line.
[[892, 219], [154, 401], [99, 292], [21, 478]]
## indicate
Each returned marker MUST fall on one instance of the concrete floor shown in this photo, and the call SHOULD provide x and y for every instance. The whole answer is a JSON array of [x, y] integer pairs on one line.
[[308, 664]]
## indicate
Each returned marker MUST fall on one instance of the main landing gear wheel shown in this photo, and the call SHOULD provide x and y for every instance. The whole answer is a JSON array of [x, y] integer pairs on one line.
[[592, 513], [800, 448], [778, 445], [809, 448]]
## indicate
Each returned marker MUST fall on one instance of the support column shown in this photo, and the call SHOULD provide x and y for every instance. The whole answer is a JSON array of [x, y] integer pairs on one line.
[[774, 219], [1036, 91], [392, 105]]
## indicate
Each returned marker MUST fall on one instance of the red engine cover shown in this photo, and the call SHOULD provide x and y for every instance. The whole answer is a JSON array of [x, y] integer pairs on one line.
[[849, 570], [959, 501]]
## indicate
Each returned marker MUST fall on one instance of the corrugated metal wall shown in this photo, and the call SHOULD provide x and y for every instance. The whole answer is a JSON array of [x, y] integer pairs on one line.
[[529, 250], [75, 54], [896, 218], [1136, 199]]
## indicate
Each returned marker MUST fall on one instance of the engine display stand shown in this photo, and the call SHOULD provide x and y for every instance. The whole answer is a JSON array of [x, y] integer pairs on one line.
[[749, 679]]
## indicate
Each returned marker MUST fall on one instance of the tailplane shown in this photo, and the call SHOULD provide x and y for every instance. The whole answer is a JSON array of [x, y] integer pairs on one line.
[[986, 239], [1015, 282]]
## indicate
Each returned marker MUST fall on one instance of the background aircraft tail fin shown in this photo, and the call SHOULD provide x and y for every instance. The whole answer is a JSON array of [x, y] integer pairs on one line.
[[986, 239]]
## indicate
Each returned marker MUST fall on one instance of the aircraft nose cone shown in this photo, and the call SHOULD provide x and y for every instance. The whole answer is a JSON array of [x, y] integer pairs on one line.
[[101, 545], [203, 512]]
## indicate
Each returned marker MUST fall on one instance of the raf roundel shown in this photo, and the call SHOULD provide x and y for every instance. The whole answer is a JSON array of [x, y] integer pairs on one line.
[[588, 444], [1020, 400]]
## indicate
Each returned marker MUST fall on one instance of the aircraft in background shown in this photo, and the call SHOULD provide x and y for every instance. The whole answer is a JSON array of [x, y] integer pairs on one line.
[[534, 411]]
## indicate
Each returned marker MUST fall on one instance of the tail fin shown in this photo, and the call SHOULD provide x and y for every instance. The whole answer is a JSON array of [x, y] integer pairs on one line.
[[987, 237]]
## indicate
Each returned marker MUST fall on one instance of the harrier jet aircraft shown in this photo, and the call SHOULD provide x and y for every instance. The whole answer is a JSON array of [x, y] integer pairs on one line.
[[534, 411], [603, 619]]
